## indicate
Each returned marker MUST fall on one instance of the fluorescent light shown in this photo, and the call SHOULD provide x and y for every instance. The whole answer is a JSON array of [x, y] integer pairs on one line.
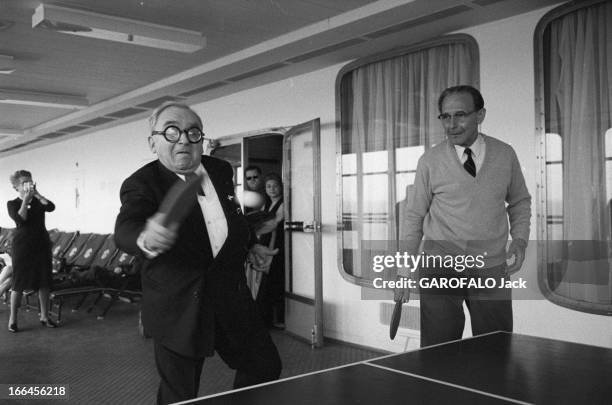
[[56, 100], [88, 24], [5, 132], [7, 135]]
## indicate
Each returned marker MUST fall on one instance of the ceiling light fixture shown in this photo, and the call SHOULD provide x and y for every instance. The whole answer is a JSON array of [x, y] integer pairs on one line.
[[111, 28], [55, 100], [10, 133]]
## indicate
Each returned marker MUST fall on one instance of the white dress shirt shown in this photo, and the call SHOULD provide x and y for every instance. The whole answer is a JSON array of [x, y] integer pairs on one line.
[[478, 152], [214, 217]]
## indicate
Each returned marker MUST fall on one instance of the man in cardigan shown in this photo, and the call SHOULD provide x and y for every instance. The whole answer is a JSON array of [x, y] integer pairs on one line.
[[195, 297], [458, 209]]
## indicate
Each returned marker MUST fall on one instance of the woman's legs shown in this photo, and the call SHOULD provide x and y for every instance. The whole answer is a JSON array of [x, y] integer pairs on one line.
[[43, 298], [15, 303]]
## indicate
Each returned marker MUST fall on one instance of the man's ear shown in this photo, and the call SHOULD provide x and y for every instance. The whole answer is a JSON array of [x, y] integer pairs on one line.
[[152, 145], [480, 115]]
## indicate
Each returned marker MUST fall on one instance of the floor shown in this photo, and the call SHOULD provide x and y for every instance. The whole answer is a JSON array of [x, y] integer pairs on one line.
[[108, 361]]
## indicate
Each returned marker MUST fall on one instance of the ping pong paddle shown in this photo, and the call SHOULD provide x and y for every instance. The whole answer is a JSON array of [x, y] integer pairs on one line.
[[397, 315], [179, 200]]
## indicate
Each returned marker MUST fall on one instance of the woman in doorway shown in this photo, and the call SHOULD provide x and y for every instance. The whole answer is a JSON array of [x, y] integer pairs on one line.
[[271, 296], [31, 248]]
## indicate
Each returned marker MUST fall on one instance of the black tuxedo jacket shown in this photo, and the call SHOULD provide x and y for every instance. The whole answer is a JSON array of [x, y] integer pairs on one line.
[[185, 290]]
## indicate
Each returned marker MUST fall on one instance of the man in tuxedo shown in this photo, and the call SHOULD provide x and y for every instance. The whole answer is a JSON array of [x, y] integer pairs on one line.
[[195, 297]]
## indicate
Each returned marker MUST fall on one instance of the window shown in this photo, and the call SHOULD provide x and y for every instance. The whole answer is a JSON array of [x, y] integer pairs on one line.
[[387, 109], [574, 84]]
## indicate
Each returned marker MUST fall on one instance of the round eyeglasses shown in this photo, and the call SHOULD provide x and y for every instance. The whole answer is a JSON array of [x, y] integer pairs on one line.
[[173, 133]]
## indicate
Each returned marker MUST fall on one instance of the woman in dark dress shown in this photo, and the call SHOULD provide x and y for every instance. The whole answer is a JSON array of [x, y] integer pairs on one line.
[[31, 249], [271, 296]]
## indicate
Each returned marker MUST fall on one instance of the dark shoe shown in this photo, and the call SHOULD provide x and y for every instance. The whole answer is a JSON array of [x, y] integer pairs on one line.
[[13, 328], [48, 323]]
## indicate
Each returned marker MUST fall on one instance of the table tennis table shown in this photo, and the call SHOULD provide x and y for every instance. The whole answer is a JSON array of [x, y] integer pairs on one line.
[[494, 368]]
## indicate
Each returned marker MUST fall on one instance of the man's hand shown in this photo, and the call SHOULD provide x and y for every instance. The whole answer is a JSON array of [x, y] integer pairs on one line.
[[266, 227], [156, 237], [401, 294], [260, 257], [516, 250]]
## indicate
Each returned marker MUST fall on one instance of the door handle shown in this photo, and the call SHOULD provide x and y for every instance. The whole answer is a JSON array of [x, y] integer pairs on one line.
[[301, 226], [294, 226]]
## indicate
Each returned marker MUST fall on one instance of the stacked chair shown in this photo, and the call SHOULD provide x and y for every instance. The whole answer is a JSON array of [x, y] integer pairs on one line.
[[77, 277], [60, 243], [87, 264], [120, 275]]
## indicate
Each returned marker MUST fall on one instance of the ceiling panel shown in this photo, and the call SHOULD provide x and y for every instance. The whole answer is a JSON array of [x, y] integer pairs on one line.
[[248, 42], [50, 61], [13, 116]]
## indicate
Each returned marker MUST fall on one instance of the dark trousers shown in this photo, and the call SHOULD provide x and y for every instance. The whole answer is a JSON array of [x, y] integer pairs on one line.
[[270, 301], [255, 363], [442, 316]]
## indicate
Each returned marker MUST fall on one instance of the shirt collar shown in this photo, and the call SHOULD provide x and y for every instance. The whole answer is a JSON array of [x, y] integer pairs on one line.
[[476, 147], [199, 170]]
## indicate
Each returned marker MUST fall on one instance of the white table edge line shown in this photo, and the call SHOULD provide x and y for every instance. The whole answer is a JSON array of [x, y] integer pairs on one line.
[[450, 384]]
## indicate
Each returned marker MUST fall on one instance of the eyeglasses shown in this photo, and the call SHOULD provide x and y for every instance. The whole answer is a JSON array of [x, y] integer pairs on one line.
[[458, 116], [172, 134], [252, 177]]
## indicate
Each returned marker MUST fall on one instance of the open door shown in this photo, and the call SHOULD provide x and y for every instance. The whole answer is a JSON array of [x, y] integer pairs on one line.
[[303, 244]]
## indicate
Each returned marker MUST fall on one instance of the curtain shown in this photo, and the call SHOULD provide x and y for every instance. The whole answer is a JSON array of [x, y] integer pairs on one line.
[[387, 105], [393, 103], [578, 100]]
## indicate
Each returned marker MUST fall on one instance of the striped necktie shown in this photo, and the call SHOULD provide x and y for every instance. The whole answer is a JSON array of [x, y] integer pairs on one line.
[[469, 164]]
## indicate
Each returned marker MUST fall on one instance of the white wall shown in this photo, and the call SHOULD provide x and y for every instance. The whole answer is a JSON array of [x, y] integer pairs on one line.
[[92, 166], [105, 158]]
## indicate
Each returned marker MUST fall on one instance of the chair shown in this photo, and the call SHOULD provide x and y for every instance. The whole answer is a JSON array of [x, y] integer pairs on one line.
[[54, 235], [72, 254], [63, 241], [122, 280], [80, 277], [106, 253]]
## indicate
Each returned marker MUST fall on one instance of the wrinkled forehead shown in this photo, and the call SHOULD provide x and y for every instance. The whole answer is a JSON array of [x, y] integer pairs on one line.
[[179, 116]]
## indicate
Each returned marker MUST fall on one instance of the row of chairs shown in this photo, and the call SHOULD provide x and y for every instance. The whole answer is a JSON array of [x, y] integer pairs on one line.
[[87, 264]]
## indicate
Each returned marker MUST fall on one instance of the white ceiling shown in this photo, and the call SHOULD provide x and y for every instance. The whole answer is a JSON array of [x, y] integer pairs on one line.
[[249, 42]]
